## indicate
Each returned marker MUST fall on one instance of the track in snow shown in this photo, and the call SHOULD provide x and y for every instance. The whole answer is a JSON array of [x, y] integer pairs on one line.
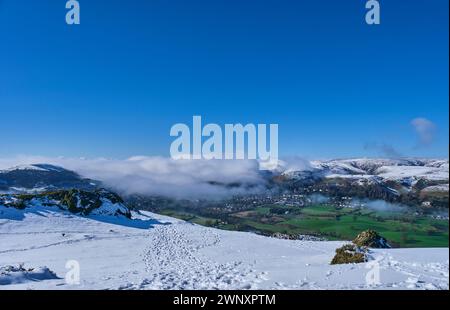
[[173, 261]]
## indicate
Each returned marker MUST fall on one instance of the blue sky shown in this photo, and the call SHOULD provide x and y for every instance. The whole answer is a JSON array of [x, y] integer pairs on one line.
[[114, 85]]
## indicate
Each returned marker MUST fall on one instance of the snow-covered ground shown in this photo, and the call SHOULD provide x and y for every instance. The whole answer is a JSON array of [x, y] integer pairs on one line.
[[157, 252]]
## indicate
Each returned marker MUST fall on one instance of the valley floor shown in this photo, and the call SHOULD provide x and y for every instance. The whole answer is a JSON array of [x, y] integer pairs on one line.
[[158, 252]]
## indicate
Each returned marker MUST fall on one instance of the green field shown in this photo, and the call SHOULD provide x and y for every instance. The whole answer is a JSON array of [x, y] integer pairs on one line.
[[401, 230]]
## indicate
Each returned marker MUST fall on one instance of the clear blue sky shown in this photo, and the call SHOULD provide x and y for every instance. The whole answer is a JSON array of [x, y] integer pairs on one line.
[[114, 85]]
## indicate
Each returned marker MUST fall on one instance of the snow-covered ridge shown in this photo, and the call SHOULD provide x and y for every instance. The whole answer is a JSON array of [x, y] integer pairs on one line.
[[23, 167], [36, 178], [432, 168], [34, 167], [408, 170]]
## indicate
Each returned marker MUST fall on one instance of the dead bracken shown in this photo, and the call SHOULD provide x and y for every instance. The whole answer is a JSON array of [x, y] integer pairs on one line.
[[350, 254]]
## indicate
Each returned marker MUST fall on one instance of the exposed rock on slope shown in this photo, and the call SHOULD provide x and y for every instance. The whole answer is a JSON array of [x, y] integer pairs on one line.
[[371, 239], [358, 251], [98, 202]]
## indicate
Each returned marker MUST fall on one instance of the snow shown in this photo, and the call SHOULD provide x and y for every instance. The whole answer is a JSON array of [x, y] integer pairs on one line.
[[109, 208], [157, 252], [34, 167], [360, 177], [397, 172], [19, 274], [361, 170], [437, 188], [24, 167], [33, 190], [338, 167]]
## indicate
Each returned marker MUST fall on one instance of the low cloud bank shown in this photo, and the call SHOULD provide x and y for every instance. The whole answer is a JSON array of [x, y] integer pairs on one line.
[[294, 163], [381, 205], [190, 179]]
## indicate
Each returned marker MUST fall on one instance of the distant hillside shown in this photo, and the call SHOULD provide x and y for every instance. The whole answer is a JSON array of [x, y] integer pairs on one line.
[[42, 177], [411, 181]]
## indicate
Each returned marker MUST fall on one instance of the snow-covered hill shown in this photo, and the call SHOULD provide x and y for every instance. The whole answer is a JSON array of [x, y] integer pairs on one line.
[[36, 178], [393, 169], [156, 252], [416, 182]]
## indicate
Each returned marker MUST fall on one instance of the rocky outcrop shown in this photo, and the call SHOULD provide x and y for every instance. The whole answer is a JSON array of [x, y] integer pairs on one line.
[[98, 202], [358, 251], [371, 239]]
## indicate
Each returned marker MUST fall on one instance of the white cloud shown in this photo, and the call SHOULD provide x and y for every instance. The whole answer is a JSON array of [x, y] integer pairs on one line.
[[425, 130]]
